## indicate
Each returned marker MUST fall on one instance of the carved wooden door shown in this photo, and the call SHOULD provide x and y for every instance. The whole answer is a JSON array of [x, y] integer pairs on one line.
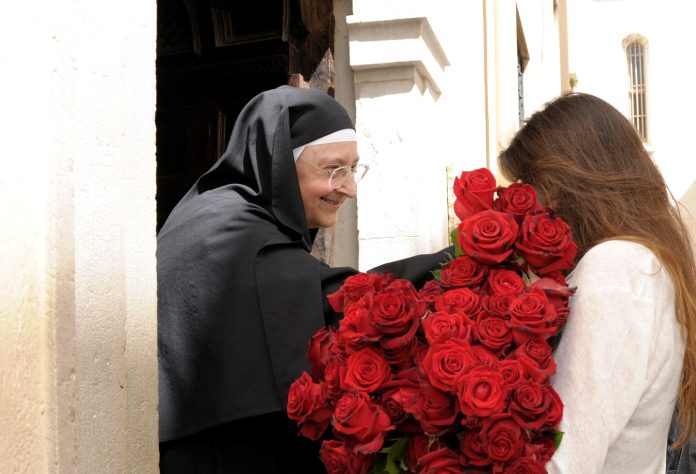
[[213, 56]]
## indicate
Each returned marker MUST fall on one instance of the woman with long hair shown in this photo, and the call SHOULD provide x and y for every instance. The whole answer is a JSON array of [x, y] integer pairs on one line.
[[628, 351]]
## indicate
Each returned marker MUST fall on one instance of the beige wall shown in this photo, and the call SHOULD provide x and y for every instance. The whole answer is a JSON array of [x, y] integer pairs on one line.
[[78, 385]]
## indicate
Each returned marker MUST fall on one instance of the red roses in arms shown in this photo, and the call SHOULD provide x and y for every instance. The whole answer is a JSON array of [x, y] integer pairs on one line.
[[491, 229], [454, 377]]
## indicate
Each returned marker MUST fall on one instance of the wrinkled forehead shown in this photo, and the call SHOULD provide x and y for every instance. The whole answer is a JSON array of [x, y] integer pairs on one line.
[[339, 153]]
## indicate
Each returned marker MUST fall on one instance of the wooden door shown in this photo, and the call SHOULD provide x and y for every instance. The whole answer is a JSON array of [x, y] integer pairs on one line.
[[213, 56]]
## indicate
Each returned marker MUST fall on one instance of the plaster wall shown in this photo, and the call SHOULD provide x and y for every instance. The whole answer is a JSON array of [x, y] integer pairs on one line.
[[78, 309]]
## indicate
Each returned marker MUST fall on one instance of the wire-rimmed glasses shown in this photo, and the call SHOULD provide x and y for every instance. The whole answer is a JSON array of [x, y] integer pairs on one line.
[[339, 176]]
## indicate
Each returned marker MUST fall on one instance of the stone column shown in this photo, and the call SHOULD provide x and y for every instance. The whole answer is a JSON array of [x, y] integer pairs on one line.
[[78, 353], [398, 66]]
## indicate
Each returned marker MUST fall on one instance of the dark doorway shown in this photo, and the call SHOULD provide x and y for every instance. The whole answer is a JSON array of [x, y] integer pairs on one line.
[[213, 56]]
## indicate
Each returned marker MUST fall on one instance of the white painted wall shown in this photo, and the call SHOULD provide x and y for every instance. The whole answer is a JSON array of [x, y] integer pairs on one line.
[[542, 76], [398, 66], [596, 32], [78, 381], [415, 122]]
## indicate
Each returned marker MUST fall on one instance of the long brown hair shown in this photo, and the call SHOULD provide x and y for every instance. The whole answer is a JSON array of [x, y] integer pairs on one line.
[[587, 162]]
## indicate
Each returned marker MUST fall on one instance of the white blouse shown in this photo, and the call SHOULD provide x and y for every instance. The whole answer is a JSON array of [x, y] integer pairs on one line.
[[619, 363]]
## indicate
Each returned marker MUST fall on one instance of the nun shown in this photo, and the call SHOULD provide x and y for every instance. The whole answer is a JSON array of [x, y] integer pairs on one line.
[[239, 294]]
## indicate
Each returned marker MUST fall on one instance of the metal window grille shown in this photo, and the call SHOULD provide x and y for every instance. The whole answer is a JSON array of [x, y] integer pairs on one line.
[[636, 72]]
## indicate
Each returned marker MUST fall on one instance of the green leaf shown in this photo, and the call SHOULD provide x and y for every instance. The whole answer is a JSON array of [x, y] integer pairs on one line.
[[436, 274], [557, 437], [554, 340], [378, 464], [396, 453], [454, 238], [527, 281]]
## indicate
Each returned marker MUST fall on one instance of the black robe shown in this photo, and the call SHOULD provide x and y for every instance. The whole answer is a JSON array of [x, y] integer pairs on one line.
[[239, 296]]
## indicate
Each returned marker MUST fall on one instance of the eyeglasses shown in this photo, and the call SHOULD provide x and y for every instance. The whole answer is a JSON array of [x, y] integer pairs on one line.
[[340, 176]]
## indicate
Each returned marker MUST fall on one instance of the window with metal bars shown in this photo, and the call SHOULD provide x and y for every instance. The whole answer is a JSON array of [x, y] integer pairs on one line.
[[635, 54]]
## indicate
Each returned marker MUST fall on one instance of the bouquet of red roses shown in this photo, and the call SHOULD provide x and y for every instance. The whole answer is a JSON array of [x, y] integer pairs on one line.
[[453, 377]]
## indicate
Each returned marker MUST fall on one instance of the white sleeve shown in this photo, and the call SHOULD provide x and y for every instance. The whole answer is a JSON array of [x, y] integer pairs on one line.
[[602, 364]]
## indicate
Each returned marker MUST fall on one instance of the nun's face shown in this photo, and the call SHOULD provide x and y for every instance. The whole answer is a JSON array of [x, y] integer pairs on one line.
[[321, 202]]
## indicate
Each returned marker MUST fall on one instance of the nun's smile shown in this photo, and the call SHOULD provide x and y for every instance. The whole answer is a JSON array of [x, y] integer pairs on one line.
[[321, 202]]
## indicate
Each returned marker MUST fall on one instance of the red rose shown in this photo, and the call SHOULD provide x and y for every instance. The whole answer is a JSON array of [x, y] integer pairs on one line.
[[354, 287], [410, 377], [339, 458], [445, 362], [493, 332], [319, 349], [525, 465], [332, 379], [366, 370], [419, 353], [396, 313], [546, 244], [431, 290], [355, 330], [505, 282], [340, 349], [532, 316], [474, 191], [481, 392], [502, 438], [488, 236], [555, 413], [498, 303], [461, 301], [418, 446], [531, 368], [485, 356], [400, 356], [531, 405], [434, 410], [441, 461], [308, 406], [517, 199], [439, 327], [539, 353], [541, 449], [513, 373], [559, 294], [392, 404], [558, 277], [473, 449], [554, 287], [462, 272], [401, 393], [359, 421]]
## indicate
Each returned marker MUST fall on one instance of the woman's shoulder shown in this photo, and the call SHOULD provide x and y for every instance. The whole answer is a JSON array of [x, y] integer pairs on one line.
[[616, 263], [621, 250]]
